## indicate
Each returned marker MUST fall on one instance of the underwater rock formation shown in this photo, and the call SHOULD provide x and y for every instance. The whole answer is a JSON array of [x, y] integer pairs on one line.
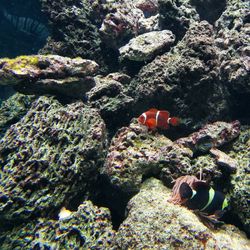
[[49, 157], [239, 150], [89, 228], [185, 80], [177, 16], [109, 97], [154, 223], [13, 109], [49, 74], [74, 31], [232, 37], [147, 46], [127, 19], [135, 153]]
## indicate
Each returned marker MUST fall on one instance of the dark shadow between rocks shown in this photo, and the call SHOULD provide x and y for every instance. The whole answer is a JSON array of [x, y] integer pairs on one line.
[[209, 10]]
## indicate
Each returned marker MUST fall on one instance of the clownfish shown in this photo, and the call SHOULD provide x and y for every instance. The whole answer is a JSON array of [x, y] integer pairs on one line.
[[155, 118], [204, 198]]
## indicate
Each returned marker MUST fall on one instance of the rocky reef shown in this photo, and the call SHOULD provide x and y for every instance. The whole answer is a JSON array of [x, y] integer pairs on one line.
[[79, 171], [49, 74], [49, 157]]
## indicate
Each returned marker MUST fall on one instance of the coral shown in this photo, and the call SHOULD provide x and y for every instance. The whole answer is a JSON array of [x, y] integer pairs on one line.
[[147, 46], [13, 109], [89, 228], [49, 74], [47, 158], [154, 223]]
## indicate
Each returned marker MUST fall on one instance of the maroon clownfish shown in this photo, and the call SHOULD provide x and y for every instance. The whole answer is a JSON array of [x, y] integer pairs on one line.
[[155, 118]]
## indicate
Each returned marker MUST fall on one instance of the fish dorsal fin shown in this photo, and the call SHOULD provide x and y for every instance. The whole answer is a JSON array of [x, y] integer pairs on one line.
[[153, 110], [200, 185]]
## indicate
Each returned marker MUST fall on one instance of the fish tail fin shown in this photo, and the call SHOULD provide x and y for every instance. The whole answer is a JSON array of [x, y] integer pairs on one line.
[[174, 121], [186, 191]]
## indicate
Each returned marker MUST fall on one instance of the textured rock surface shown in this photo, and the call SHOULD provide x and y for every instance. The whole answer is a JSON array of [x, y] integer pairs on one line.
[[240, 189], [126, 19], [49, 74], [154, 223], [49, 157], [109, 97], [12, 110], [146, 46], [89, 228], [184, 81], [177, 16], [135, 153], [233, 38], [74, 31]]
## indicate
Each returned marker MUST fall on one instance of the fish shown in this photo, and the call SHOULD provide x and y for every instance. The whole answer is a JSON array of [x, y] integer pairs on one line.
[[154, 118], [28, 26], [200, 197]]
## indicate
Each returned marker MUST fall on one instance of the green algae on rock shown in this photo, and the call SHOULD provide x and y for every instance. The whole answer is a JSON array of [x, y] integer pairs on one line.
[[87, 228], [49, 157], [48, 74], [12, 110], [154, 223]]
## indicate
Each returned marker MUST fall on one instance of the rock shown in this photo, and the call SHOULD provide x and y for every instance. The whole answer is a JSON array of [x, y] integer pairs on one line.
[[109, 97], [134, 153], [224, 160], [177, 16], [13, 109], [239, 151], [49, 74], [146, 46], [154, 223], [232, 37], [48, 158], [127, 20], [211, 135], [88, 228], [74, 30], [184, 81]]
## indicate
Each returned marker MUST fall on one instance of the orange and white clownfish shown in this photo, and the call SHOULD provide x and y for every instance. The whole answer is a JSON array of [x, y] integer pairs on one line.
[[155, 118]]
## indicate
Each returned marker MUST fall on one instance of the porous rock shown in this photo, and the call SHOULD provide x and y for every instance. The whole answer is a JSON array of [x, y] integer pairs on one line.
[[212, 135], [49, 157], [135, 153], [50, 74], [154, 223], [232, 37], [146, 46], [13, 109], [239, 151], [87, 228], [110, 98], [126, 20], [73, 29], [184, 81]]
